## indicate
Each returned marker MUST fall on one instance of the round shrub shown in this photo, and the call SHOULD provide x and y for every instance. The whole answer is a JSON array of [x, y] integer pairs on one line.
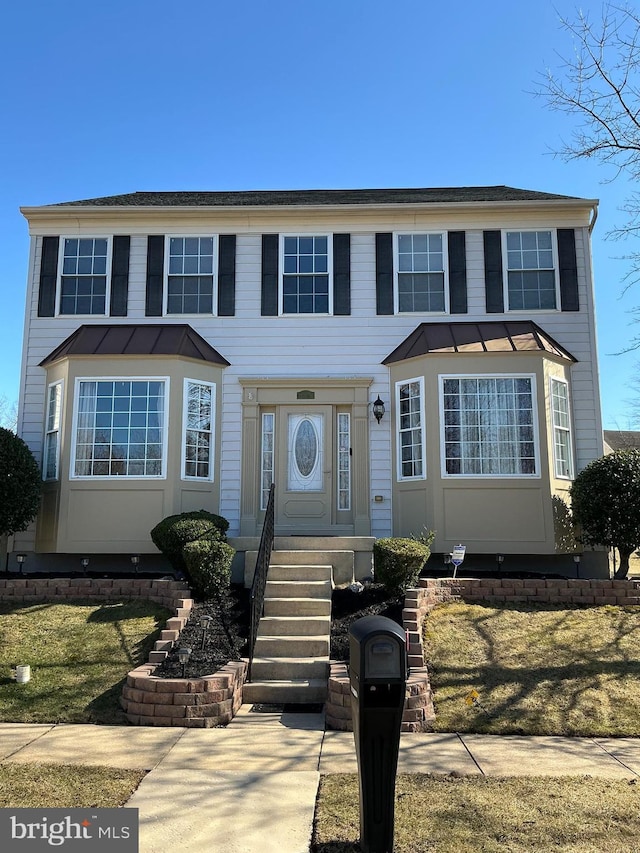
[[20, 484], [208, 564], [174, 532], [398, 562]]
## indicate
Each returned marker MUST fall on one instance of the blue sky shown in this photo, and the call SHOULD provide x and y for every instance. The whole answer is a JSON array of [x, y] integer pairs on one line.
[[98, 99]]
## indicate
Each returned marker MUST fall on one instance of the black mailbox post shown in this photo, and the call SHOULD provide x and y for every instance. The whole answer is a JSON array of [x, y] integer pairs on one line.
[[378, 674]]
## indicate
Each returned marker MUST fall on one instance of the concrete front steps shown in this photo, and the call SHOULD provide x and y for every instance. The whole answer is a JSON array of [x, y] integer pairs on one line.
[[291, 657]]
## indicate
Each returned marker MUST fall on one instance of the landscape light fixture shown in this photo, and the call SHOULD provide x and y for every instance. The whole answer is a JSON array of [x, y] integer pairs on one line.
[[20, 558], [84, 562], [135, 561], [576, 560], [378, 409], [184, 653], [500, 561], [205, 624]]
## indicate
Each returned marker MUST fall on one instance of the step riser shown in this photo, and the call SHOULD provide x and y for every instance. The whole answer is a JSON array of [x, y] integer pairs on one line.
[[299, 573], [300, 626], [299, 647], [261, 692], [298, 589], [283, 670], [297, 607]]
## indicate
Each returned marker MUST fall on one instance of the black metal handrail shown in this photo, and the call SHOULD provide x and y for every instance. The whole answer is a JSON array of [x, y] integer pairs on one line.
[[260, 575]]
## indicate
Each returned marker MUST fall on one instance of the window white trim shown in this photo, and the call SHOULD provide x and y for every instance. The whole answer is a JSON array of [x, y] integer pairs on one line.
[[397, 271], [534, 413], [210, 433], [166, 273], [267, 455], [343, 460], [422, 444], [506, 270], [566, 431], [281, 273], [164, 428], [52, 430], [107, 296]]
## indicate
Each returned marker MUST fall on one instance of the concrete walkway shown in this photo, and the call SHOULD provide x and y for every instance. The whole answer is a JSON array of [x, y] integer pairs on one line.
[[251, 788]]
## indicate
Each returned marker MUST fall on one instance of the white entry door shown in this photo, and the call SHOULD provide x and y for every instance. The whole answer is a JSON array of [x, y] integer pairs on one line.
[[305, 478]]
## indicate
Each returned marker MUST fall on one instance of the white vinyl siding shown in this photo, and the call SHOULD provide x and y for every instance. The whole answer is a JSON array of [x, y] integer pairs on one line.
[[51, 457], [410, 425], [561, 419], [198, 430], [489, 426], [120, 428]]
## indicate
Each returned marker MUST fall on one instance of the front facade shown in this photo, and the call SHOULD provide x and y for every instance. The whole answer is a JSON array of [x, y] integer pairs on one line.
[[186, 350]]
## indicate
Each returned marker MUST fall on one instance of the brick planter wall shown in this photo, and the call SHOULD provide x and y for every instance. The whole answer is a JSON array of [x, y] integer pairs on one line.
[[189, 702], [169, 593], [418, 710]]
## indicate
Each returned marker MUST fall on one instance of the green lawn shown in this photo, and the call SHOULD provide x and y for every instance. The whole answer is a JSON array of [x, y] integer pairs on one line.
[[538, 670], [64, 786], [79, 655], [471, 813]]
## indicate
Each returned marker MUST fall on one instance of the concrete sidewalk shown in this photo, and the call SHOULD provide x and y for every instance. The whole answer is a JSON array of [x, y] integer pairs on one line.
[[251, 788]]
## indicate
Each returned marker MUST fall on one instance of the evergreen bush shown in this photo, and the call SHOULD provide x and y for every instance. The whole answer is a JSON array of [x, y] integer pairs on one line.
[[398, 562], [208, 564], [174, 532]]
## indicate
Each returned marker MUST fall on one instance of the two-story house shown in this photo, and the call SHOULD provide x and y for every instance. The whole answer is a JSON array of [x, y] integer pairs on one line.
[[392, 359]]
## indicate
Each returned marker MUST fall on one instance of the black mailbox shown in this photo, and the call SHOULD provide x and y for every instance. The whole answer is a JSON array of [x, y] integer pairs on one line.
[[378, 674]]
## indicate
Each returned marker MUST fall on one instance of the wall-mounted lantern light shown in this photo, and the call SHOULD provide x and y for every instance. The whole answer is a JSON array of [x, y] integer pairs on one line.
[[378, 409]]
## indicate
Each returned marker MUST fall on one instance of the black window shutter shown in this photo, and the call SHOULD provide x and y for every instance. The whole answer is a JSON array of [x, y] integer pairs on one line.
[[457, 245], [342, 274], [227, 275], [384, 273], [569, 300], [493, 281], [155, 275], [48, 277], [269, 275], [120, 276]]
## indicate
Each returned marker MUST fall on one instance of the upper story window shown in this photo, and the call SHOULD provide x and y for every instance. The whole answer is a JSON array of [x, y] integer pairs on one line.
[[52, 432], [410, 425], [120, 428], [190, 275], [421, 273], [306, 265], [83, 275], [530, 270], [489, 426], [562, 450]]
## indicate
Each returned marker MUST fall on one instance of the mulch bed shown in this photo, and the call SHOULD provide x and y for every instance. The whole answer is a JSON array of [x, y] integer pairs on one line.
[[347, 606]]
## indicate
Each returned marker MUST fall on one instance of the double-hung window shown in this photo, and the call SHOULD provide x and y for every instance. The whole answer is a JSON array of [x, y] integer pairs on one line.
[[84, 275], [411, 434], [531, 270], [190, 275], [421, 273], [489, 426], [561, 416], [120, 428], [198, 430], [52, 433], [306, 262]]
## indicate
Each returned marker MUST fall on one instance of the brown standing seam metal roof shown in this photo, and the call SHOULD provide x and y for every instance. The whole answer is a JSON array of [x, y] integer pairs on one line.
[[126, 339], [494, 336]]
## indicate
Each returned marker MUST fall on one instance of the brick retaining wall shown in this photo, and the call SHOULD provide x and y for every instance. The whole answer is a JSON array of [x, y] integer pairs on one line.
[[24, 590], [418, 711]]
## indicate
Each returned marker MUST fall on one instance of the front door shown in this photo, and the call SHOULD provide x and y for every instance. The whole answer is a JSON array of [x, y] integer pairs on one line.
[[305, 469]]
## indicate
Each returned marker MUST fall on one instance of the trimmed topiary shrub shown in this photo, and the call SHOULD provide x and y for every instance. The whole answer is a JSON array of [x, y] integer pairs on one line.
[[20, 484], [174, 532], [208, 564], [398, 562]]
